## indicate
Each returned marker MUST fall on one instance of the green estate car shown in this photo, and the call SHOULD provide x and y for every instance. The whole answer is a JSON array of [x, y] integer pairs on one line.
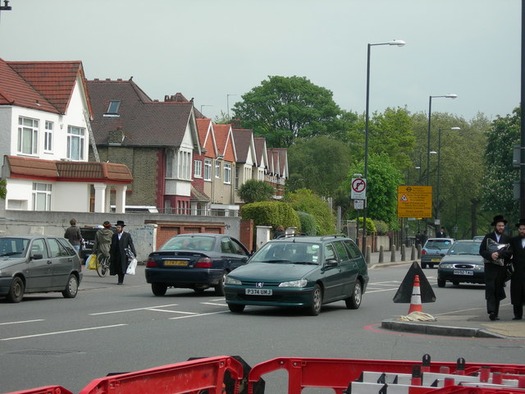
[[300, 271]]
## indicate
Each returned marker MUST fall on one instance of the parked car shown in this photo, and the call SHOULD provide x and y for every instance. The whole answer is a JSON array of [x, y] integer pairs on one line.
[[433, 251], [462, 263], [38, 264], [195, 261], [304, 272], [478, 237]]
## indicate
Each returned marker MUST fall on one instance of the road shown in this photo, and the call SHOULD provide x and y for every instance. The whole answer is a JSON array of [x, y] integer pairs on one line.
[[47, 339]]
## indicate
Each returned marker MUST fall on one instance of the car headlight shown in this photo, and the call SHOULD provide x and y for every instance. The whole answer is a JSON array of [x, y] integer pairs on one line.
[[446, 266], [294, 283], [232, 281]]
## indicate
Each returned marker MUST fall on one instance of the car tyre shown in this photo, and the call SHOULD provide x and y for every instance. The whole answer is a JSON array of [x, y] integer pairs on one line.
[[236, 308], [431, 265], [159, 289], [442, 282], [219, 289], [455, 283], [71, 289], [423, 265], [316, 302], [16, 291], [354, 302]]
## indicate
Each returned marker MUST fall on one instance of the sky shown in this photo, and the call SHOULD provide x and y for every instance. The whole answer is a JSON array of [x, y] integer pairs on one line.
[[217, 50]]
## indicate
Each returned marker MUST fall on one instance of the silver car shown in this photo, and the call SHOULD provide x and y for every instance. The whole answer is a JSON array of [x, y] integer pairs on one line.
[[38, 264], [434, 250]]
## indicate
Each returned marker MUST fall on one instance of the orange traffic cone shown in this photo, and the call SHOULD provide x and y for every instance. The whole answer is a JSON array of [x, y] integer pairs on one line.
[[415, 301]]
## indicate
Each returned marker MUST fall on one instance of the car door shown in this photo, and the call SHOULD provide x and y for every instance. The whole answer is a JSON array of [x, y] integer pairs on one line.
[[61, 263], [38, 273], [331, 274], [348, 269], [232, 253]]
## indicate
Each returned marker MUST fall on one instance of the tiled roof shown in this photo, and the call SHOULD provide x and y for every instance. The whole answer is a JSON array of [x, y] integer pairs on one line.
[[53, 80], [68, 171], [243, 139], [197, 195], [142, 121], [260, 150], [225, 143], [207, 136]]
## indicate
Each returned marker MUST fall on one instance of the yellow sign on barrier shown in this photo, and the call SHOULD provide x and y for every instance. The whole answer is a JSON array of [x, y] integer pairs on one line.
[[414, 202]]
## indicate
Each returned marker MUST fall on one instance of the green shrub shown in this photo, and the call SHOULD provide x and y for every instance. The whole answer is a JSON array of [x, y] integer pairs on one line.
[[308, 223], [271, 213], [304, 200]]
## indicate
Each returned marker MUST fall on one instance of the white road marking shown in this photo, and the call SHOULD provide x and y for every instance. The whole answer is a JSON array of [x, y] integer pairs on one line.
[[198, 315], [131, 310], [213, 303], [20, 322], [62, 332], [167, 311]]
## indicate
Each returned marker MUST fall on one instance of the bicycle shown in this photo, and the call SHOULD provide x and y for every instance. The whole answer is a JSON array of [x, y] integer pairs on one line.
[[103, 266]]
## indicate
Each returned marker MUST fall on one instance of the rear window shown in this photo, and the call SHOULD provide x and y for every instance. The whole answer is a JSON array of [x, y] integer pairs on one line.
[[438, 244], [202, 243]]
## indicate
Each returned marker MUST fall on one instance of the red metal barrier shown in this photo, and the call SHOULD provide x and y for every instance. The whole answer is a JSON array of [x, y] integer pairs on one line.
[[338, 373], [190, 377], [44, 390]]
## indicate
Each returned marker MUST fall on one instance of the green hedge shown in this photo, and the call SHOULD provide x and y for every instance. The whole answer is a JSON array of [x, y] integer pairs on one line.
[[271, 213]]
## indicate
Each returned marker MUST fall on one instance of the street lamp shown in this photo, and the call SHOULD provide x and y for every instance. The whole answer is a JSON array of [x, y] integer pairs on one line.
[[451, 96], [228, 103], [438, 172], [398, 43]]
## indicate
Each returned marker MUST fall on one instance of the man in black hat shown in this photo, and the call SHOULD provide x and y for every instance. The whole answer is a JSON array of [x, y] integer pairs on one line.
[[118, 256], [517, 281], [495, 271]]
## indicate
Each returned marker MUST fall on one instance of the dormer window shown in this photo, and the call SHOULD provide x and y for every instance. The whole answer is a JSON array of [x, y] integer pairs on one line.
[[113, 108]]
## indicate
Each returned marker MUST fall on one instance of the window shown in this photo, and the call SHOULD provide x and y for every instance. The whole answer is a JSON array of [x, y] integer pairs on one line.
[[41, 196], [169, 163], [207, 169], [27, 136], [227, 173], [113, 108], [48, 137], [197, 170], [75, 143], [217, 169]]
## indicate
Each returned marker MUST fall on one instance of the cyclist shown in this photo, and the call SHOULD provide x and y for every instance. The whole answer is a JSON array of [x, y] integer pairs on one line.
[[102, 243]]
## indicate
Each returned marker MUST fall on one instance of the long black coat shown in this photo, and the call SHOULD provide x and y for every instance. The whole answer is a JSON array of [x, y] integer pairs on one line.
[[494, 274], [517, 282], [118, 258]]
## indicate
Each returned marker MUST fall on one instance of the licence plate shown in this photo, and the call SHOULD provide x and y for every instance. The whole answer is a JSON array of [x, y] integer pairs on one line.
[[463, 272], [177, 263], [262, 292], [435, 260]]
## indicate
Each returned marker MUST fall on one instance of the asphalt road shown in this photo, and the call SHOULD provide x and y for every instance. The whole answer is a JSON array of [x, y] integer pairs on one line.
[[47, 339]]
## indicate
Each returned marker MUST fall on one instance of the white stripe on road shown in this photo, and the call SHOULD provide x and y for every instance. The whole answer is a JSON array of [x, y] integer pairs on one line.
[[62, 332], [131, 310], [168, 311], [198, 315], [20, 322], [213, 303]]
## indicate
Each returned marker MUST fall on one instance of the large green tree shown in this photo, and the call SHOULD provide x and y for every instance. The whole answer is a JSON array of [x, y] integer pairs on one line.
[[283, 109], [500, 175], [304, 200]]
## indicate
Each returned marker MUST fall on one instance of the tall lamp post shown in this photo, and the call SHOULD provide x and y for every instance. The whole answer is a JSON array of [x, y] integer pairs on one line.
[[398, 43], [438, 216], [451, 96]]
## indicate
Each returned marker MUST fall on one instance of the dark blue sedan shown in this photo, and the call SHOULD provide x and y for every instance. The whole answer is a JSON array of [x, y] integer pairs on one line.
[[194, 261]]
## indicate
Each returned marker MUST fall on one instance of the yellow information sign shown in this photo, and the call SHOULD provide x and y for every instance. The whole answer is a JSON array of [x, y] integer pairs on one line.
[[414, 201]]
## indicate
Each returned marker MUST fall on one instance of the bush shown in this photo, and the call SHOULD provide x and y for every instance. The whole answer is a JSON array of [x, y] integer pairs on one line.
[[271, 213], [305, 200], [254, 190], [308, 223]]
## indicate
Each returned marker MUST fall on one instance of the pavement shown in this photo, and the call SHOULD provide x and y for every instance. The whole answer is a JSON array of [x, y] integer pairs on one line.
[[466, 323]]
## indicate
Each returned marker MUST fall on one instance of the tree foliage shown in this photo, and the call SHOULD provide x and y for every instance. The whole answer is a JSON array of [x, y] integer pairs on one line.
[[283, 109], [253, 191], [271, 213], [3, 189], [305, 200]]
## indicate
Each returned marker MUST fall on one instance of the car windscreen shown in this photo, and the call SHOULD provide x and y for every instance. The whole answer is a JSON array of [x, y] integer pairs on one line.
[[13, 247], [194, 242], [288, 252], [464, 248], [437, 244]]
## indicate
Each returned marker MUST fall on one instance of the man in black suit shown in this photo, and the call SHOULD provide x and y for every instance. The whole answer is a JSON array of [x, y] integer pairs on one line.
[[495, 271], [517, 281], [118, 256]]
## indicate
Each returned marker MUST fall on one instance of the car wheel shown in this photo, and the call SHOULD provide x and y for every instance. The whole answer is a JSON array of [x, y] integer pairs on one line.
[[423, 265], [16, 291], [441, 282], [159, 289], [199, 290], [431, 265], [455, 283], [236, 308], [71, 289], [316, 302], [219, 289], [354, 302]]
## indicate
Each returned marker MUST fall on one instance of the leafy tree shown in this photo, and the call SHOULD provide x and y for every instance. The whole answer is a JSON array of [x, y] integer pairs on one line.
[[308, 223], [3, 189], [381, 190], [497, 193], [304, 200], [283, 109], [318, 163], [253, 190]]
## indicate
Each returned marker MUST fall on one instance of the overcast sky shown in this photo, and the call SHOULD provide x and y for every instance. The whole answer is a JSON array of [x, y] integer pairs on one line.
[[209, 49]]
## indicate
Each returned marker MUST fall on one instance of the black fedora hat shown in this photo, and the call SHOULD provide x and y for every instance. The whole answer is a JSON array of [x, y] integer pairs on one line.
[[497, 219], [520, 223], [120, 223]]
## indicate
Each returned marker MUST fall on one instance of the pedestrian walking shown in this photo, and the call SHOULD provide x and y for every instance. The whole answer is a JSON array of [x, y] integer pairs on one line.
[[517, 281], [441, 233], [119, 262], [73, 235], [495, 271], [102, 243]]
